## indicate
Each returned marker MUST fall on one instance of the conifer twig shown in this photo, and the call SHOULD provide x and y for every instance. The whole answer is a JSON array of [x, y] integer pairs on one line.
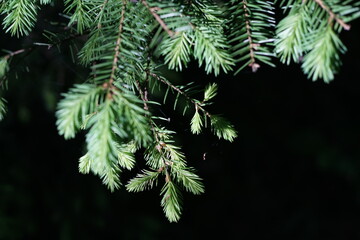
[[197, 105], [158, 18], [159, 147], [332, 15], [254, 66], [102, 8], [16, 53], [118, 42]]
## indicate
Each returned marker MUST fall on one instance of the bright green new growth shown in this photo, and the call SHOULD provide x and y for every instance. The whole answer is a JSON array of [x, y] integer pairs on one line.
[[210, 92], [75, 107], [196, 123], [81, 16], [127, 42], [165, 159], [20, 16], [325, 52], [177, 51], [289, 44], [309, 35], [202, 36]]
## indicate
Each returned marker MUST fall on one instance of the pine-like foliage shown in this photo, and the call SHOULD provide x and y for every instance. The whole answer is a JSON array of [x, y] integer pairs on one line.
[[20, 16], [309, 35], [194, 29], [126, 43], [250, 26]]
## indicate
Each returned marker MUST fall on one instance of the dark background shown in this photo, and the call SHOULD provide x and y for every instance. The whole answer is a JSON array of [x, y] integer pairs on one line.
[[293, 172]]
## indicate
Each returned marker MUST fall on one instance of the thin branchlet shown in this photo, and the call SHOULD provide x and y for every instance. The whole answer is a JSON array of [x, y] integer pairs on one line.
[[252, 46], [153, 11], [332, 15], [196, 104], [118, 43]]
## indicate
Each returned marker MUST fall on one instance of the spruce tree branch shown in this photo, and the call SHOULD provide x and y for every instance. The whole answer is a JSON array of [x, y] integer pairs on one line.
[[118, 43], [158, 19], [332, 15], [102, 8], [144, 98], [196, 104], [160, 145], [254, 66]]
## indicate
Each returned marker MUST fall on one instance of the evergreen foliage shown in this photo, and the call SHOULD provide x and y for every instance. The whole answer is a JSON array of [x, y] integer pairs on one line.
[[20, 16], [250, 26], [127, 42], [309, 35]]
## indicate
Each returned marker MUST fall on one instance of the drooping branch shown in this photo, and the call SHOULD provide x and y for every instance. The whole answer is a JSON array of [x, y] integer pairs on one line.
[[332, 15], [160, 145]]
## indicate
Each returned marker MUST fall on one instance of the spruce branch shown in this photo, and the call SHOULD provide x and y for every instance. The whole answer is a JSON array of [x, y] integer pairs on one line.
[[75, 106], [223, 128], [81, 16], [158, 18], [323, 59], [220, 126], [116, 110], [252, 46], [177, 51], [291, 32], [101, 145], [196, 123], [118, 43], [101, 13], [250, 31], [159, 144], [196, 104], [187, 178], [143, 181], [126, 157], [21, 16], [144, 97], [332, 15], [210, 47], [171, 201], [85, 164]]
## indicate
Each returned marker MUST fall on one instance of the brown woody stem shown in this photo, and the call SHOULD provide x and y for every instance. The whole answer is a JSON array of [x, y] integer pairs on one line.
[[333, 15]]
